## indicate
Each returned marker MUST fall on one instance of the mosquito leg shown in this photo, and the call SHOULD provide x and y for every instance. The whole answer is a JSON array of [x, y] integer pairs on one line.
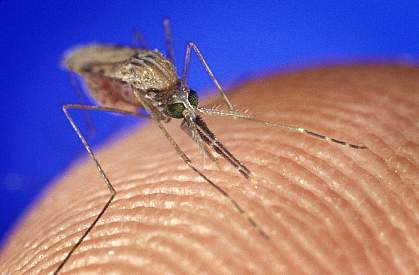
[[169, 41], [240, 115], [109, 185], [104, 109], [138, 39], [185, 73]]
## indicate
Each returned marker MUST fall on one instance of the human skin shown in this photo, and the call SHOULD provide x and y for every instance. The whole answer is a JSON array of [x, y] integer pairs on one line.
[[327, 209]]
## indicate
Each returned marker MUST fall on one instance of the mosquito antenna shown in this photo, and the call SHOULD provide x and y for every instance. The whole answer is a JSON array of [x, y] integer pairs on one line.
[[240, 115]]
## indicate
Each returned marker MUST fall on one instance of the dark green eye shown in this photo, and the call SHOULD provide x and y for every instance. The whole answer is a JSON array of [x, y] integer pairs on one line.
[[193, 98], [175, 110]]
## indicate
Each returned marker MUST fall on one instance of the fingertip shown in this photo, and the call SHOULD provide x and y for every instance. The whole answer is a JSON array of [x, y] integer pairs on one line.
[[325, 207]]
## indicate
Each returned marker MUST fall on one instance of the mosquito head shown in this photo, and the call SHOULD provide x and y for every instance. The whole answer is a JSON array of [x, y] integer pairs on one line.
[[183, 104]]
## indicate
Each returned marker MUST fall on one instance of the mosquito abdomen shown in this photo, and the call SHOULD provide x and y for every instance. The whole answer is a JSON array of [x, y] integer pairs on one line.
[[110, 73]]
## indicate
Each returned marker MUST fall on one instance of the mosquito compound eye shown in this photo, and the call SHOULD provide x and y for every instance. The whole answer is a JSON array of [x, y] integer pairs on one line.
[[175, 110], [193, 98]]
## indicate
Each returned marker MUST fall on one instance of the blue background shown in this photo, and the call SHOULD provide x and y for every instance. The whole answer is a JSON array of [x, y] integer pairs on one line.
[[238, 39]]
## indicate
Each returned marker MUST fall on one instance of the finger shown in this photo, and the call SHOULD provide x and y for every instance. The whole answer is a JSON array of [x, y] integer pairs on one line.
[[325, 208]]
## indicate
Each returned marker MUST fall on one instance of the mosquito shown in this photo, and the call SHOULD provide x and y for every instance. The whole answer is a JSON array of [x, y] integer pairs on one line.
[[124, 80]]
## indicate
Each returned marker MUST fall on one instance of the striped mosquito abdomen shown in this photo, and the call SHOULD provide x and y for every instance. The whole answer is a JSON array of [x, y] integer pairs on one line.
[[110, 72]]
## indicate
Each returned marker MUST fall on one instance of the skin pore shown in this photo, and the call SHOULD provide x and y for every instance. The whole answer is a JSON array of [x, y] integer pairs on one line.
[[327, 209]]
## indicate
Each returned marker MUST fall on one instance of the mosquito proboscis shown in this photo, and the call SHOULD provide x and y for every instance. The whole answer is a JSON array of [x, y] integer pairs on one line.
[[125, 79]]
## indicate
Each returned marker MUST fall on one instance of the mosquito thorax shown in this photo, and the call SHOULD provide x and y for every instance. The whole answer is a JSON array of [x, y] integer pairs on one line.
[[181, 100]]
